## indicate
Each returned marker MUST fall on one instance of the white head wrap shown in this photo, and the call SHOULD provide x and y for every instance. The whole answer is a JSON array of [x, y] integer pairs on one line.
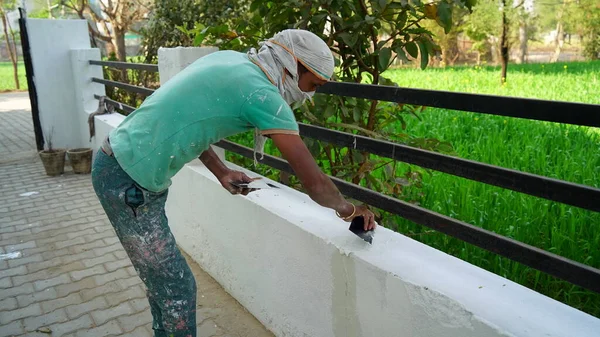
[[283, 52]]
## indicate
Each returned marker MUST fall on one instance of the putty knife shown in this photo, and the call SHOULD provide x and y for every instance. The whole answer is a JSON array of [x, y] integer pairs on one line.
[[357, 227]]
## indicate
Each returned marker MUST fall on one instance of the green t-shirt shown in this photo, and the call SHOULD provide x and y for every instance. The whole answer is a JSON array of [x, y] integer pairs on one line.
[[217, 96]]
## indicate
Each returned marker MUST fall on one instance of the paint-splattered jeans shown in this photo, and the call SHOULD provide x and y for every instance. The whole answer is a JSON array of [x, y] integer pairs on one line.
[[139, 219]]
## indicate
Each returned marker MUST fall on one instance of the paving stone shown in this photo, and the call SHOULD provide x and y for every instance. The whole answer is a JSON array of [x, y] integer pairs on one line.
[[124, 296], [69, 300], [43, 284], [101, 316], [8, 304], [26, 288], [40, 296], [109, 328], [132, 322], [140, 331], [13, 329], [56, 316], [80, 274], [75, 311], [83, 322], [117, 274], [9, 316], [112, 266]]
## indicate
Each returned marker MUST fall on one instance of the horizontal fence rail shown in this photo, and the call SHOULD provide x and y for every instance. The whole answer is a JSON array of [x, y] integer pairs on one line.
[[539, 186], [118, 105], [568, 270], [126, 65], [552, 189], [550, 111], [124, 86]]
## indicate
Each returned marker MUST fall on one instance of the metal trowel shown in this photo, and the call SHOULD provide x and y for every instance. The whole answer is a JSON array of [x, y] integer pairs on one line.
[[357, 226], [257, 184]]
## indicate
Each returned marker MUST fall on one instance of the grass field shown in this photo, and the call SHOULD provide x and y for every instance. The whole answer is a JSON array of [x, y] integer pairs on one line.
[[7, 82], [559, 151]]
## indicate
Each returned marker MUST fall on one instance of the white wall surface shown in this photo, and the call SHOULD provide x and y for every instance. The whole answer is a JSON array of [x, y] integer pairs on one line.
[[301, 272], [173, 60], [51, 42]]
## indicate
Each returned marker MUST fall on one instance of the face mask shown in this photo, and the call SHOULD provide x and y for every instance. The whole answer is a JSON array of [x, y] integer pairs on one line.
[[292, 93]]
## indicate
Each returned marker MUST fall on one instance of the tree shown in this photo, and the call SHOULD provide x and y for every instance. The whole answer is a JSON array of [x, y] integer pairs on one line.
[[568, 17], [82, 10], [186, 14], [448, 42], [482, 27], [11, 46], [116, 17], [119, 17], [584, 18]]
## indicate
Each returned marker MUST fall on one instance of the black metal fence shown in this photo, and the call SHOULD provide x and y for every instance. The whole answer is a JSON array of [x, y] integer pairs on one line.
[[552, 189]]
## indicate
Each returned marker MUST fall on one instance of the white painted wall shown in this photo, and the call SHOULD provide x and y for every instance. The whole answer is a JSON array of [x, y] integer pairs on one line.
[[298, 269], [51, 42]]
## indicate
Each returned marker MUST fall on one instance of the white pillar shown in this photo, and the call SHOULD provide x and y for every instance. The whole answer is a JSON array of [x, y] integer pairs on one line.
[[173, 60], [51, 42], [85, 89]]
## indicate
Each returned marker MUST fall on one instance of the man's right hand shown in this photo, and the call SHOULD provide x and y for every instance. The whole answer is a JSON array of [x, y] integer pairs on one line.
[[319, 187], [348, 214]]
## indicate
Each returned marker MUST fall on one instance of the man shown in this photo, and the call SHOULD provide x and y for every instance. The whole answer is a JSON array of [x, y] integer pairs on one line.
[[220, 95]]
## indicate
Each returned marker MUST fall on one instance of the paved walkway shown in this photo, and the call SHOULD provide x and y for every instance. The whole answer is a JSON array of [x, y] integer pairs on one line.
[[17, 140], [63, 271]]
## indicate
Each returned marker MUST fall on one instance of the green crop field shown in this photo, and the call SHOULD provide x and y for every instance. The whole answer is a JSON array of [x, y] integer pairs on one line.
[[7, 81], [559, 151]]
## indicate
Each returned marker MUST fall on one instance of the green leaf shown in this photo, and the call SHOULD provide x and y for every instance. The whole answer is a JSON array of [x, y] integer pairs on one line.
[[384, 58], [369, 19], [469, 4], [412, 49], [401, 20], [444, 12], [383, 3], [424, 54], [199, 39], [356, 114], [255, 5], [182, 29], [348, 39], [329, 111], [402, 55], [389, 13]]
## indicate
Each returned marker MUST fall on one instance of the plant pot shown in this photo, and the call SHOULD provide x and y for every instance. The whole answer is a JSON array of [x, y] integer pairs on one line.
[[54, 161], [81, 160]]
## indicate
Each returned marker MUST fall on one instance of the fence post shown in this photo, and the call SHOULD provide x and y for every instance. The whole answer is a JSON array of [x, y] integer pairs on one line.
[[173, 60]]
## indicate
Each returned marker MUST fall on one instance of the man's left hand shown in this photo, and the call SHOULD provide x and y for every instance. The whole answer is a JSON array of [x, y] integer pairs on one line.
[[230, 177]]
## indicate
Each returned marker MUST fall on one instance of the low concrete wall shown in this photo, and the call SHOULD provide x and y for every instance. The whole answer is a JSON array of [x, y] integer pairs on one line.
[[298, 269]]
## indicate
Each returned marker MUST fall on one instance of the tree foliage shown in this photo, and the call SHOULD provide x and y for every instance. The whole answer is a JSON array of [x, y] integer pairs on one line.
[[166, 15]]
